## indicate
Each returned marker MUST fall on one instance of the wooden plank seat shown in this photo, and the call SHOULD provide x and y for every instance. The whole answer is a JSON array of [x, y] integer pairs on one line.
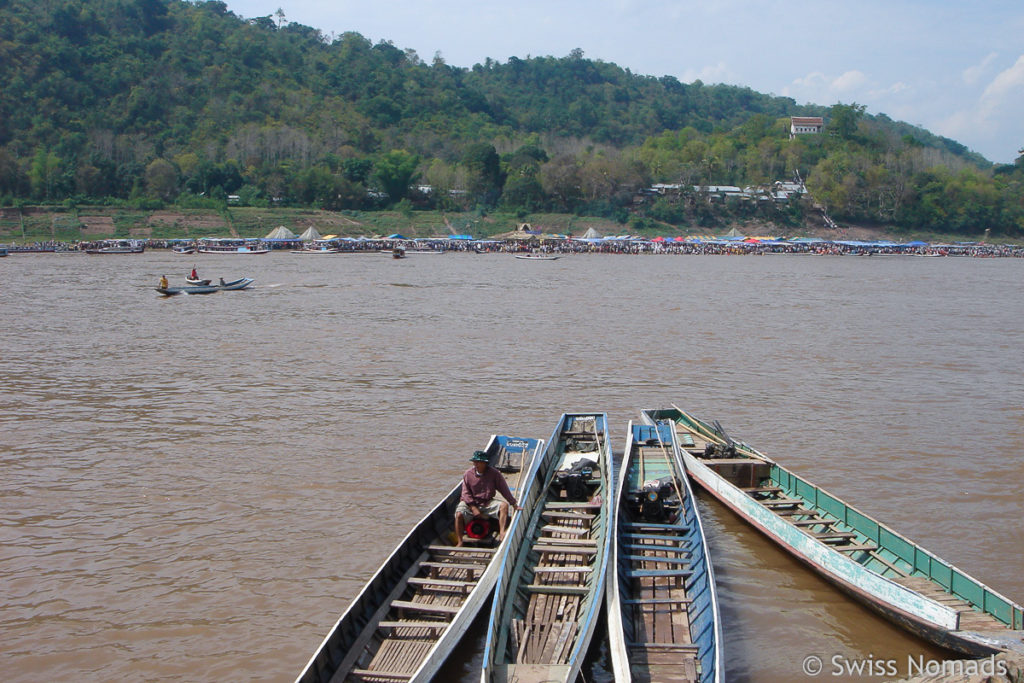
[[728, 461], [564, 550], [414, 624], [682, 647], [585, 516], [435, 566], [654, 558], [650, 525], [568, 569], [371, 675], [657, 601], [461, 550], [556, 589], [762, 489], [656, 537], [855, 548], [829, 535], [814, 522], [780, 502], [889, 565], [799, 511], [571, 506], [425, 607], [575, 542], [655, 573], [556, 529], [659, 548], [427, 582]]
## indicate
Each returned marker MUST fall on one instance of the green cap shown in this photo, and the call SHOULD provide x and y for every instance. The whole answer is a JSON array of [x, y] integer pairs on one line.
[[480, 456]]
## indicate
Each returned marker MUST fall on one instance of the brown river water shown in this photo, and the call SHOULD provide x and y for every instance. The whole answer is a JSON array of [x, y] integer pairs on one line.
[[194, 488]]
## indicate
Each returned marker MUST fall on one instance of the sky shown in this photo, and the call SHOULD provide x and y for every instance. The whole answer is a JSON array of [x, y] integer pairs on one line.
[[954, 68]]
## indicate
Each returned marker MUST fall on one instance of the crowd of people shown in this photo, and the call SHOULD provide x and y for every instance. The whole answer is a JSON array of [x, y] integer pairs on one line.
[[545, 244]]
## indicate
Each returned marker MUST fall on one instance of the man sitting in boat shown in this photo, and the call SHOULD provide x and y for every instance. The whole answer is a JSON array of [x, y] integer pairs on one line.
[[479, 484], [163, 282]]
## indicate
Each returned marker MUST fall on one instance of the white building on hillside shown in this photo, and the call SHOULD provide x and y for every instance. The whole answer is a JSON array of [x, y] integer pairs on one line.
[[805, 125]]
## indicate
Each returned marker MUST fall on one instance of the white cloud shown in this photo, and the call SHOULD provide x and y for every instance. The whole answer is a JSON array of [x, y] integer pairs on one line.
[[973, 74], [1008, 83], [851, 80], [712, 73]]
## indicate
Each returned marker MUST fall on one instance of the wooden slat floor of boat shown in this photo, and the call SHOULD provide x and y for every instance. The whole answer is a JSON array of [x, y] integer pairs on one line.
[[407, 638], [663, 667], [547, 633], [970, 618]]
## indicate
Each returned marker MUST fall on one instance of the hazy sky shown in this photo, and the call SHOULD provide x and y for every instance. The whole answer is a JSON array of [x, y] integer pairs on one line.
[[955, 68]]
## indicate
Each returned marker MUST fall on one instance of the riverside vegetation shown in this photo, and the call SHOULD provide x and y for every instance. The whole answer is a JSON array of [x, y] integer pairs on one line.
[[146, 106]]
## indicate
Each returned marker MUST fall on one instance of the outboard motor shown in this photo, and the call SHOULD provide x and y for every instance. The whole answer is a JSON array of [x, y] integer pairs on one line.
[[574, 480], [717, 450], [653, 497]]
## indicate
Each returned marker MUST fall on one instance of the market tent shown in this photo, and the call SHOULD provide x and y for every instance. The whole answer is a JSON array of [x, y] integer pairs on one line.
[[397, 236], [280, 233], [591, 234], [310, 234]]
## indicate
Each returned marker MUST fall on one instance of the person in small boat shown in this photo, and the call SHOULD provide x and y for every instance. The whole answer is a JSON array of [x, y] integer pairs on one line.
[[163, 282], [479, 484], [194, 275]]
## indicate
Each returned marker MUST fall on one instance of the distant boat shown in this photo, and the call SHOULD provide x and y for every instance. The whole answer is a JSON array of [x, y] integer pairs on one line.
[[3, 252], [398, 252], [184, 249], [888, 572], [417, 606], [663, 621], [240, 283], [537, 257], [217, 245], [196, 282], [548, 598], [320, 247], [118, 247]]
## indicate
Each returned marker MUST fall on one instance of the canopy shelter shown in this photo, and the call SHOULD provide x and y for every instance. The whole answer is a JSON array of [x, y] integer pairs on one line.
[[591, 234], [310, 234], [280, 233]]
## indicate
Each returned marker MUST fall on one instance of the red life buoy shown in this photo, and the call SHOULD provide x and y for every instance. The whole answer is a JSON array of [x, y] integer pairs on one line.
[[478, 527]]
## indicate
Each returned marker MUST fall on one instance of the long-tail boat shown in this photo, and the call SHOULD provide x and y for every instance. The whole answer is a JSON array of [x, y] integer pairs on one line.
[[410, 616], [662, 607], [548, 595], [865, 558]]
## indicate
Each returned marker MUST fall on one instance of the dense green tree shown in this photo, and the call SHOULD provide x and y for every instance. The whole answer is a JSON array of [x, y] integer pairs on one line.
[[394, 172]]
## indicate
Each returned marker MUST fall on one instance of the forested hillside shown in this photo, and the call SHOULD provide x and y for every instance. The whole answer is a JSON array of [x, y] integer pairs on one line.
[[154, 102]]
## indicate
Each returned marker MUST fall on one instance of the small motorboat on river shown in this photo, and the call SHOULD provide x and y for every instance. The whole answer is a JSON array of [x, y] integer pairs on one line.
[[241, 283], [117, 247]]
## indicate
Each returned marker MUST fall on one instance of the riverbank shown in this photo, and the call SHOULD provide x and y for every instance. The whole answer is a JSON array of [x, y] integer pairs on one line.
[[26, 225]]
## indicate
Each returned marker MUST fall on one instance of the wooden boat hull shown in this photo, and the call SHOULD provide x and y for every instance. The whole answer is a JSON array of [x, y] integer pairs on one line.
[[551, 587], [196, 282], [174, 291], [863, 557], [524, 257], [364, 637], [240, 283], [662, 606]]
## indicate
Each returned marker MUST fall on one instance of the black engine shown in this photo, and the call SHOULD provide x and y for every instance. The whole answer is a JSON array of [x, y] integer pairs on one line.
[[656, 501]]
